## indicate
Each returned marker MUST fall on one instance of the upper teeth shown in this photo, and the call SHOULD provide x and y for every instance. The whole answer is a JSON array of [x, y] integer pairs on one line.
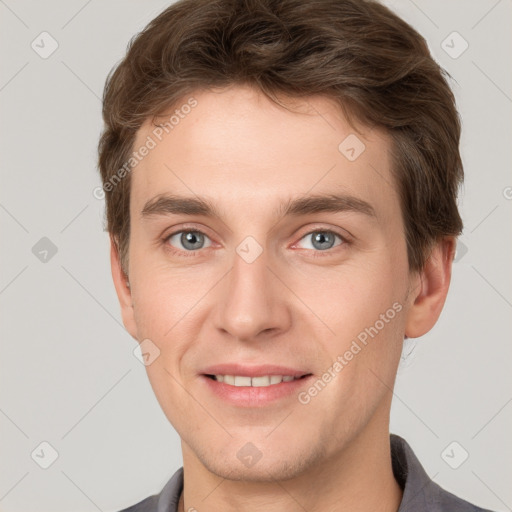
[[264, 380]]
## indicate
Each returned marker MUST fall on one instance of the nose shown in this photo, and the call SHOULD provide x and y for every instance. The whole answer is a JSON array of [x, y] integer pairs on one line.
[[252, 302]]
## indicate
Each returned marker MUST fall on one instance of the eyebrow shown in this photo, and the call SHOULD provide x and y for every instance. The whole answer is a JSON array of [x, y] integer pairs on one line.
[[168, 204]]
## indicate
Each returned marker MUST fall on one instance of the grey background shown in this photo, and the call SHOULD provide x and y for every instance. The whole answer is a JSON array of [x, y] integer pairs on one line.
[[68, 374]]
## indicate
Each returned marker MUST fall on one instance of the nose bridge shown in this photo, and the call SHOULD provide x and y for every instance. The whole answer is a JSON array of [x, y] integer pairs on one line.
[[250, 302]]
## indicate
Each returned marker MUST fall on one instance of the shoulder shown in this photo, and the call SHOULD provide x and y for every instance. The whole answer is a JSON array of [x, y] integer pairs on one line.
[[436, 499], [147, 505], [165, 501], [420, 492], [446, 501]]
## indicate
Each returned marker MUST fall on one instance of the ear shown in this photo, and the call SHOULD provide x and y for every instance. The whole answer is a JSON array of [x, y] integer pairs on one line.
[[123, 291], [431, 289]]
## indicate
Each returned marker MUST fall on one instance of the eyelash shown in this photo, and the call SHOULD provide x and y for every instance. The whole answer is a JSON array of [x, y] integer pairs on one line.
[[316, 253]]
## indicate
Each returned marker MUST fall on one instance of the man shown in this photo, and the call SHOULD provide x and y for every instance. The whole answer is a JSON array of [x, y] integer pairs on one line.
[[281, 182]]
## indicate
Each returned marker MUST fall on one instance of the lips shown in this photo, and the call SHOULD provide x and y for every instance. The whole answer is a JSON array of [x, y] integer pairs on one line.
[[254, 385]]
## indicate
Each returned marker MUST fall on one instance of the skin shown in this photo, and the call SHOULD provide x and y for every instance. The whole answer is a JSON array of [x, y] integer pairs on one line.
[[249, 156]]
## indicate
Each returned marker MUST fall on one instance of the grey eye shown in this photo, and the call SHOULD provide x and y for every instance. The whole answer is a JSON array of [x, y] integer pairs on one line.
[[321, 240], [189, 240]]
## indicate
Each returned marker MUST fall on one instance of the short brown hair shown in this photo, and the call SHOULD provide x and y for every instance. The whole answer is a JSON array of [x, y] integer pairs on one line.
[[357, 52]]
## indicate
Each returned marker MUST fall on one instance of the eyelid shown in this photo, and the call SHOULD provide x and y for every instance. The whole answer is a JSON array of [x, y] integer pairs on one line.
[[345, 236], [184, 228], [170, 235], [326, 252]]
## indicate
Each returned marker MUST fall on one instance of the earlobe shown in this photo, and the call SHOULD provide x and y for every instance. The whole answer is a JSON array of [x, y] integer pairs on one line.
[[430, 294], [123, 290]]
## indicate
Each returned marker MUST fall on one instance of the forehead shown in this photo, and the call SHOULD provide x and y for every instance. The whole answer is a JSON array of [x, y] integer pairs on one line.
[[238, 147]]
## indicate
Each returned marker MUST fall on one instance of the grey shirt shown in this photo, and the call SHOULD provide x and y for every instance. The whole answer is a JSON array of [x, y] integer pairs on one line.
[[420, 493]]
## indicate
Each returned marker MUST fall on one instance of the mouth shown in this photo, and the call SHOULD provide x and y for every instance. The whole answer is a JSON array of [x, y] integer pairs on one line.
[[254, 386], [261, 381]]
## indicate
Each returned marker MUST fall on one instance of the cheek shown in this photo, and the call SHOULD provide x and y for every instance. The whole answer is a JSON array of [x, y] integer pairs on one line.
[[362, 317], [349, 298], [170, 305], [162, 293]]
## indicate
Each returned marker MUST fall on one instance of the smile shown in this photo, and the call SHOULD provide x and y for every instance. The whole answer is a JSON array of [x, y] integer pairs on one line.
[[260, 381]]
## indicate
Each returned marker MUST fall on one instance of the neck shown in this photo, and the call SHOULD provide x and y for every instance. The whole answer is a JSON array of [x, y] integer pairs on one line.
[[359, 478]]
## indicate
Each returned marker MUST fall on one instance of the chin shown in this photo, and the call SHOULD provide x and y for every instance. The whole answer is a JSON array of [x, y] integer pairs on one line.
[[252, 465], [260, 473]]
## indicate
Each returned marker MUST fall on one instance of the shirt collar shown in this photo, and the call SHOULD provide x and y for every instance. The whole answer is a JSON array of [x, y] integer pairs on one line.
[[418, 488]]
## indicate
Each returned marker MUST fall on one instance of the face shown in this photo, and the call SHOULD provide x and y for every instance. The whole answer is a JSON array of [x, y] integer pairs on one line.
[[288, 257]]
